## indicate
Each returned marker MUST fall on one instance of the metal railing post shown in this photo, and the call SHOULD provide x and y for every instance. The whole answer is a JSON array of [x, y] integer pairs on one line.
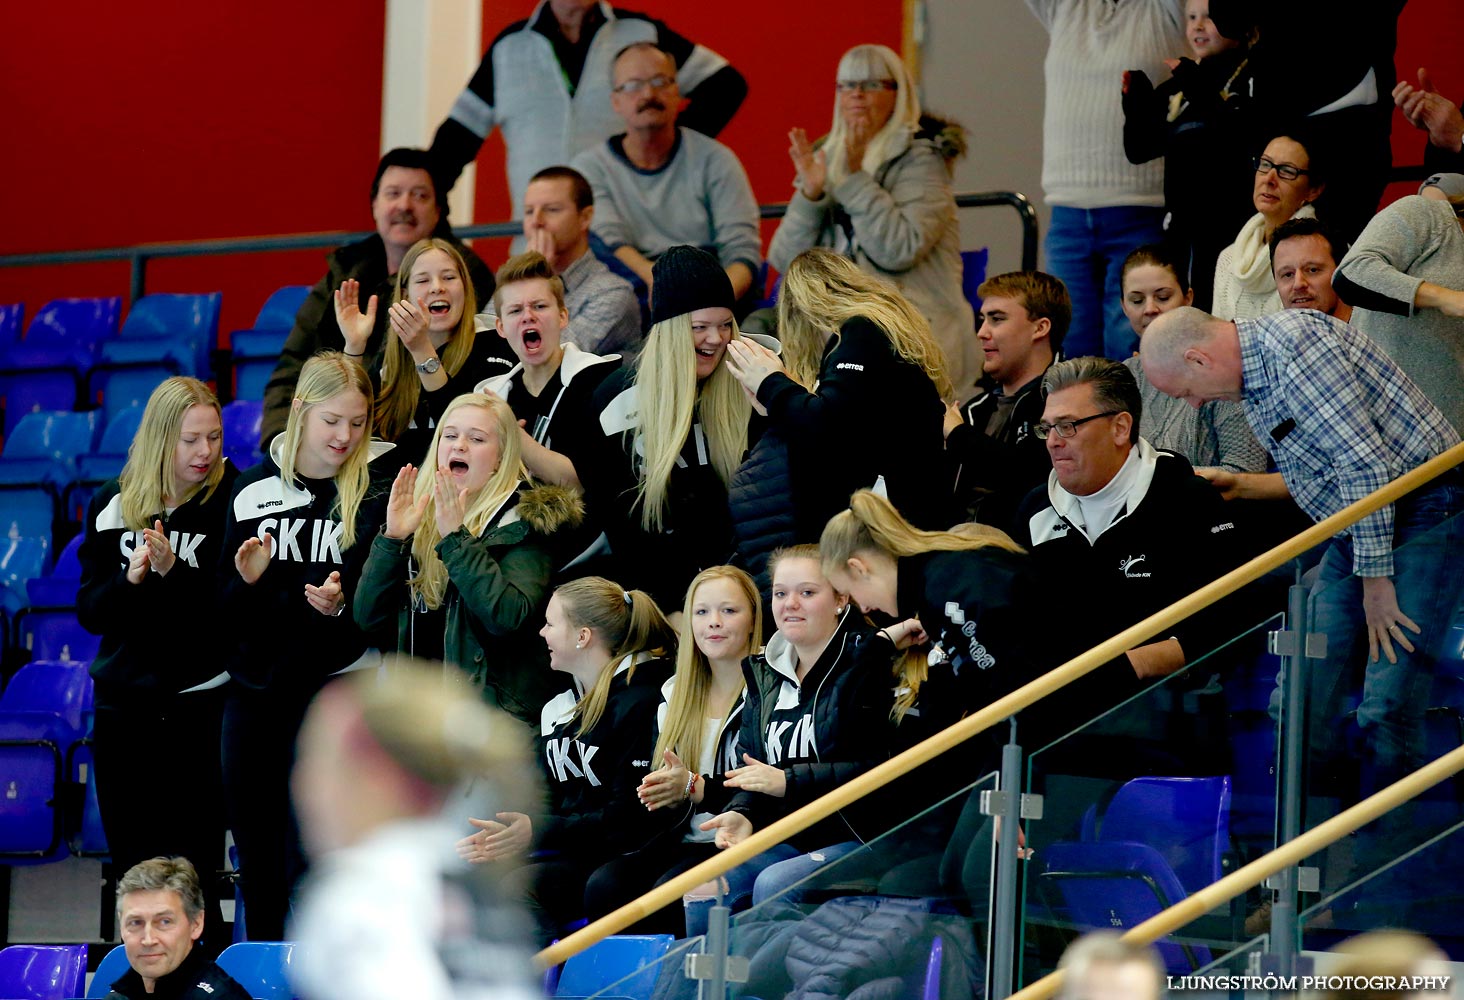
[[1008, 812], [137, 284], [1294, 644]]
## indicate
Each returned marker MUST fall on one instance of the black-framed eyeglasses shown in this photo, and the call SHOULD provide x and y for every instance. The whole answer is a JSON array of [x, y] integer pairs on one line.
[[1285, 171], [865, 86], [658, 82], [1067, 428]]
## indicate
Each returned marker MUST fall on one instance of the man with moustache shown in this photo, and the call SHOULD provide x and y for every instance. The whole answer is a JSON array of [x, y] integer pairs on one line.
[[407, 205], [658, 185]]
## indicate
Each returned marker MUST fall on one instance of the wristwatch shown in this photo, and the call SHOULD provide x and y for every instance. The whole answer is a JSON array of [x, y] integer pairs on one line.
[[429, 366]]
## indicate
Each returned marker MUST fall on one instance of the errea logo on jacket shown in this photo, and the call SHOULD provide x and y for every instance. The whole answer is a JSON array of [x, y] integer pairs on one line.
[[849, 365]]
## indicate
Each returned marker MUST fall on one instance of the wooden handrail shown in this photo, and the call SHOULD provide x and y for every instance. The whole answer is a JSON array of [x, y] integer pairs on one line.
[[1035, 690], [1253, 874]]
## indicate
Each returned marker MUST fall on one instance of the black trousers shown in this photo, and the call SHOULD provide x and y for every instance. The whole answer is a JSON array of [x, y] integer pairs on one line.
[[160, 790], [259, 734]]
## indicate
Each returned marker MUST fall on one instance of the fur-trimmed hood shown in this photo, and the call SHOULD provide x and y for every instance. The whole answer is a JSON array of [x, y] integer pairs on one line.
[[948, 135], [547, 507]]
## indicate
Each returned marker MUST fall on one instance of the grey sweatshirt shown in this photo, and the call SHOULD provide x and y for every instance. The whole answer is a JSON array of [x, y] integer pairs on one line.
[[1411, 241]]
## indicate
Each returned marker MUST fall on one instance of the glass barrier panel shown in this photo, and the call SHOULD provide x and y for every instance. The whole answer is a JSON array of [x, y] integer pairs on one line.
[[1370, 722], [1150, 801], [908, 908]]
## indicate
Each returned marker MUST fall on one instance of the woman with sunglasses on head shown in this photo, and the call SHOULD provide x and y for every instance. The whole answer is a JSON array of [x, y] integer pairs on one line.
[[878, 189], [1287, 180], [298, 532], [152, 540], [461, 567], [433, 353]]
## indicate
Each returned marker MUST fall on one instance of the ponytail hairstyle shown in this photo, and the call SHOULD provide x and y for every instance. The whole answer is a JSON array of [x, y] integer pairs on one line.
[[148, 480], [628, 622], [430, 583], [873, 525], [324, 376], [686, 713], [400, 387], [667, 406], [823, 290]]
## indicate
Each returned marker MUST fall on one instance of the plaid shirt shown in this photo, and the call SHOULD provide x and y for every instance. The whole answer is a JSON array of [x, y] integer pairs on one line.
[[604, 316], [1339, 417]]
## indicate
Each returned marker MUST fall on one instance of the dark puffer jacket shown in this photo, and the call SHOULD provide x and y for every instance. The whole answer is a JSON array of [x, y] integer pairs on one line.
[[498, 585]]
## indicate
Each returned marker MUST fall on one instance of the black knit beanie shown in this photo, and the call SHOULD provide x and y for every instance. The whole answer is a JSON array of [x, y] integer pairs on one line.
[[685, 279]]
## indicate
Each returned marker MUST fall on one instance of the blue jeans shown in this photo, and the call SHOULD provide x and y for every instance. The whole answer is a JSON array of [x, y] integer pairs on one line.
[[1086, 248], [785, 878], [1428, 539]]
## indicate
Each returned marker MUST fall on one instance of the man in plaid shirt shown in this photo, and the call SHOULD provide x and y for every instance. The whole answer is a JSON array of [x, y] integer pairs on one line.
[[1340, 420]]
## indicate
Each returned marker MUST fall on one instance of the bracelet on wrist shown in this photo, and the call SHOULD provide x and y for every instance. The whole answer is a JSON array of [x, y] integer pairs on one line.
[[691, 784], [350, 355]]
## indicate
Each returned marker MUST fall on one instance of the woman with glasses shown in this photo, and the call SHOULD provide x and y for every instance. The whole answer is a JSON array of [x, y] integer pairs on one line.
[[1287, 181], [878, 189]]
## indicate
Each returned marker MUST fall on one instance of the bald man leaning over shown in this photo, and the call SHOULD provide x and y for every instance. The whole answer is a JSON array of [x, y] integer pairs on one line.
[[1340, 420]]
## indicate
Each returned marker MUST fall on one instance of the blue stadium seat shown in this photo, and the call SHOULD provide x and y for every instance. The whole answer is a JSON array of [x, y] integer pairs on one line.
[[168, 332], [127, 387], [242, 420], [1187, 820], [112, 968], [46, 369], [973, 273], [56, 635], [106, 462], [42, 713], [85, 834], [42, 449], [256, 351], [21, 559], [57, 589], [42, 971], [12, 317], [611, 960], [261, 967]]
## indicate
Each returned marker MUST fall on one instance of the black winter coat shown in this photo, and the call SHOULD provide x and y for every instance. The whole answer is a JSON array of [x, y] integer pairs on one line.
[[137, 662], [994, 474], [874, 414]]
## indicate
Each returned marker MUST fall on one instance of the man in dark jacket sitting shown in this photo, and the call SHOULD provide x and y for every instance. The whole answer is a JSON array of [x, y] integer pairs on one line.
[[998, 459], [407, 206], [160, 908], [1121, 530]]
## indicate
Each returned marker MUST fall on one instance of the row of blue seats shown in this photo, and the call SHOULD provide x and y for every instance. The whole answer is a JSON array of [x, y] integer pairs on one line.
[[74, 349], [56, 972]]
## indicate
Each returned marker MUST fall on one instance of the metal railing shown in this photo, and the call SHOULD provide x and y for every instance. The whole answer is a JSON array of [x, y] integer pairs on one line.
[[138, 256], [1034, 691]]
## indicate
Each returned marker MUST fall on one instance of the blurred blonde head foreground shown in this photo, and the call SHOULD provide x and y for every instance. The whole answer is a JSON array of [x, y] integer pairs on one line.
[[1367, 962], [403, 742]]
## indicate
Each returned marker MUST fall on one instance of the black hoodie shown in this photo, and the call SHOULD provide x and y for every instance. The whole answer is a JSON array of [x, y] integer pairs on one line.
[[594, 813], [139, 660], [281, 642], [822, 732]]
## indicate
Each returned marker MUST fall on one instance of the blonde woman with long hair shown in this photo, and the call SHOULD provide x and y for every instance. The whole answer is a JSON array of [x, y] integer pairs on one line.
[[677, 427], [298, 529], [858, 393], [878, 189], [432, 352], [462, 565], [612, 649], [153, 538]]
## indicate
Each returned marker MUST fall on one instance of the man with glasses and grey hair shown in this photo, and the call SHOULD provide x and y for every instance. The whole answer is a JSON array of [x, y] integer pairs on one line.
[[160, 910], [1121, 528], [659, 185]]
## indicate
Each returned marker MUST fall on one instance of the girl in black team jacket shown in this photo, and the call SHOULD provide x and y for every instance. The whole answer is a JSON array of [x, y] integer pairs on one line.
[[817, 714], [696, 745], [297, 535], [153, 538], [595, 739], [861, 399], [462, 565]]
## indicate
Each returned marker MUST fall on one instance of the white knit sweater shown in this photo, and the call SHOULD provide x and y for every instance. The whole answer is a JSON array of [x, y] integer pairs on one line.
[[1092, 43]]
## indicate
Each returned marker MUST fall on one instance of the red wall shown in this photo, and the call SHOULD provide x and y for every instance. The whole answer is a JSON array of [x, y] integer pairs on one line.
[[787, 49], [1430, 34], [176, 120]]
